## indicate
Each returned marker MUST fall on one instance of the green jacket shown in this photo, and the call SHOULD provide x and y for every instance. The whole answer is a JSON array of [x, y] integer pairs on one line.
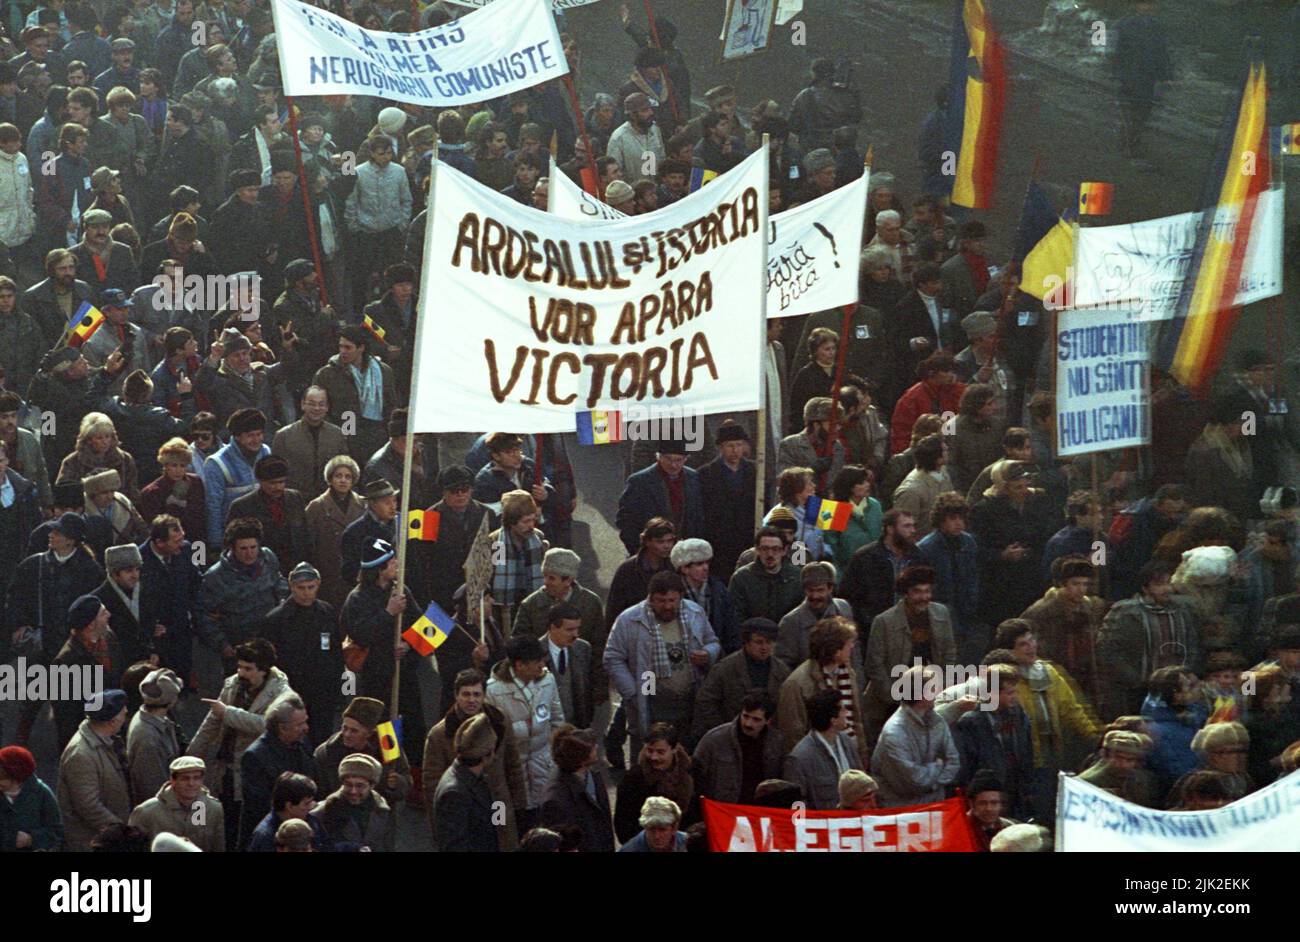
[[756, 594]]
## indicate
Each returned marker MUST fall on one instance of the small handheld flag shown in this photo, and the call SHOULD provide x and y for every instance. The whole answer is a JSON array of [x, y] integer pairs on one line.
[[84, 323], [828, 514], [599, 428], [375, 330], [1095, 198], [390, 739], [424, 525], [430, 631], [700, 176], [1290, 138]]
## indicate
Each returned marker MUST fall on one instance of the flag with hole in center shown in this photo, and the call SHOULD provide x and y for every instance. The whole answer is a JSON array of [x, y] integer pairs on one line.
[[423, 525], [430, 630], [390, 739]]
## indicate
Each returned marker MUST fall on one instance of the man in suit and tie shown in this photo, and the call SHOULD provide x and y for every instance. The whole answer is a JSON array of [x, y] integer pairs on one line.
[[568, 658], [919, 327]]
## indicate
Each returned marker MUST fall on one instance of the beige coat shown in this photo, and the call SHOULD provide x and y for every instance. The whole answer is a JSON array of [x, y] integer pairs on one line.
[[325, 526], [247, 725], [93, 790], [307, 456], [792, 709], [204, 822], [890, 645], [917, 494], [151, 745]]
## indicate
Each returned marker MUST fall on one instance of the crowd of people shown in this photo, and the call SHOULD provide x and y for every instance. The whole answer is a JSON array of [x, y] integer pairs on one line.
[[200, 500]]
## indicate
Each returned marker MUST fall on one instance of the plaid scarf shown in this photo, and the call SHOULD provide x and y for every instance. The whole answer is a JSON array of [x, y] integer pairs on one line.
[[519, 570], [659, 662]]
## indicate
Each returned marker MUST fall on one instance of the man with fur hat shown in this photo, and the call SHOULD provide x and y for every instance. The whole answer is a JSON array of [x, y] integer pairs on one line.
[[819, 176], [309, 644], [463, 809], [503, 773], [230, 473], [808, 448], [242, 237], [142, 425], [281, 511], [1120, 769], [104, 499], [130, 612], [357, 734], [980, 362], [184, 807], [577, 795], [356, 817], [239, 588], [387, 462], [29, 815], [93, 788], [234, 383], [727, 493], [91, 650], [1067, 621], [377, 523], [153, 739], [234, 720], [692, 559], [1224, 748]]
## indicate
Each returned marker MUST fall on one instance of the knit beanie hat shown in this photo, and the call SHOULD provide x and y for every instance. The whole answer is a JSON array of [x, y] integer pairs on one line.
[[17, 763], [359, 763]]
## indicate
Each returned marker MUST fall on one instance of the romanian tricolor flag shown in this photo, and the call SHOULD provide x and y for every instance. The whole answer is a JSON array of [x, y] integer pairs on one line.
[[430, 631], [1192, 344], [84, 323], [423, 525], [390, 739], [1045, 247], [375, 330], [1289, 138], [828, 514], [1095, 198], [600, 428], [700, 176], [977, 93]]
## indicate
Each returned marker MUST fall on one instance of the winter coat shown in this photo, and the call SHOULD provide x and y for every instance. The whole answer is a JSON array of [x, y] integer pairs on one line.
[[233, 601], [357, 535], [866, 522], [630, 584], [229, 394], [309, 649], [721, 613], [719, 697], [889, 647], [642, 782], [982, 746], [330, 753], [818, 110], [28, 460], [462, 810], [120, 270], [152, 742], [1060, 640], [799, 451], [56, 194], [1171, 732], [227, 476], [1054, 711], [531, 619], [17, 200], [504, 774], [325, 526], [1128, 646], [366, 620], [1011, 587], [794, 628], [42, 591], [810, 766], [241, 236], [868, 582], [906, 763], [164, 813], [534, 712], [22, 344], [93, 789], [25, 513], [39, 301], [728, 512], [143, 428], [645, 495], [163, 496], [307, 455], [922, 398], [262, 763], [68, 712], [957, 576], [336, 379], [917, 494], [135, 635], [566, 801], [718, 762], [171, 588], [288, 540], [439, 566], [629, 653], [35, 812], [386, 464], [246, 724], [756, 593], [340, 826], [792, 707], [972, 447], [83, 462]]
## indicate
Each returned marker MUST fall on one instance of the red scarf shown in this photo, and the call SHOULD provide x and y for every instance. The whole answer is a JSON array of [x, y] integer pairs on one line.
[[101, 269], [276, 509], [979, 271]]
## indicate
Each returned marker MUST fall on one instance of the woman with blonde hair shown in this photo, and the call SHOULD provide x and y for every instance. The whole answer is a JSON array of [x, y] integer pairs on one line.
[[99, 449], [177, 490], [327, 517]]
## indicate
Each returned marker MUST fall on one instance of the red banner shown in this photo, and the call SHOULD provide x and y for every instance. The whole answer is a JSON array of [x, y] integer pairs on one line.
[[942, 826]]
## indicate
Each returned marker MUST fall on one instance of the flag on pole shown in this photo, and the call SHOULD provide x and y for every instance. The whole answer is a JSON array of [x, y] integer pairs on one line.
[[1095, 198], [390, 739], [977, 94], [828, 514], [1044, 244], [424, 525], [600, 428], [375, 330], [83, 324], [1193, 342], [430, 630], [700, 176]]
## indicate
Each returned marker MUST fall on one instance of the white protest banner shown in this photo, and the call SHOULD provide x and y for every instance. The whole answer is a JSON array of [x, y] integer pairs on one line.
[[787, 10], [555, 4], [536, 318], [1141, 266], [506, 47], [812, 250], [1091, 819], [1103, 381]]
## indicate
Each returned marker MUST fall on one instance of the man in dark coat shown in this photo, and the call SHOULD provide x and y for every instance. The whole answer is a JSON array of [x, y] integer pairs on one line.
[[51, 302], [437, 567], [46, 584], [751, 668], [666, 489], [309, 648], [62, 388], [386, 464], [282, 512], [169, 587], [727, 493], [91, 644], [868, 580], [377, 523], [1137, 530], [462, 804], [357, 734], [132, 621], [185, 158], [314, 324], [282, 748], [1012, 528], [998, 740], [242, 237], [576, 792]]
